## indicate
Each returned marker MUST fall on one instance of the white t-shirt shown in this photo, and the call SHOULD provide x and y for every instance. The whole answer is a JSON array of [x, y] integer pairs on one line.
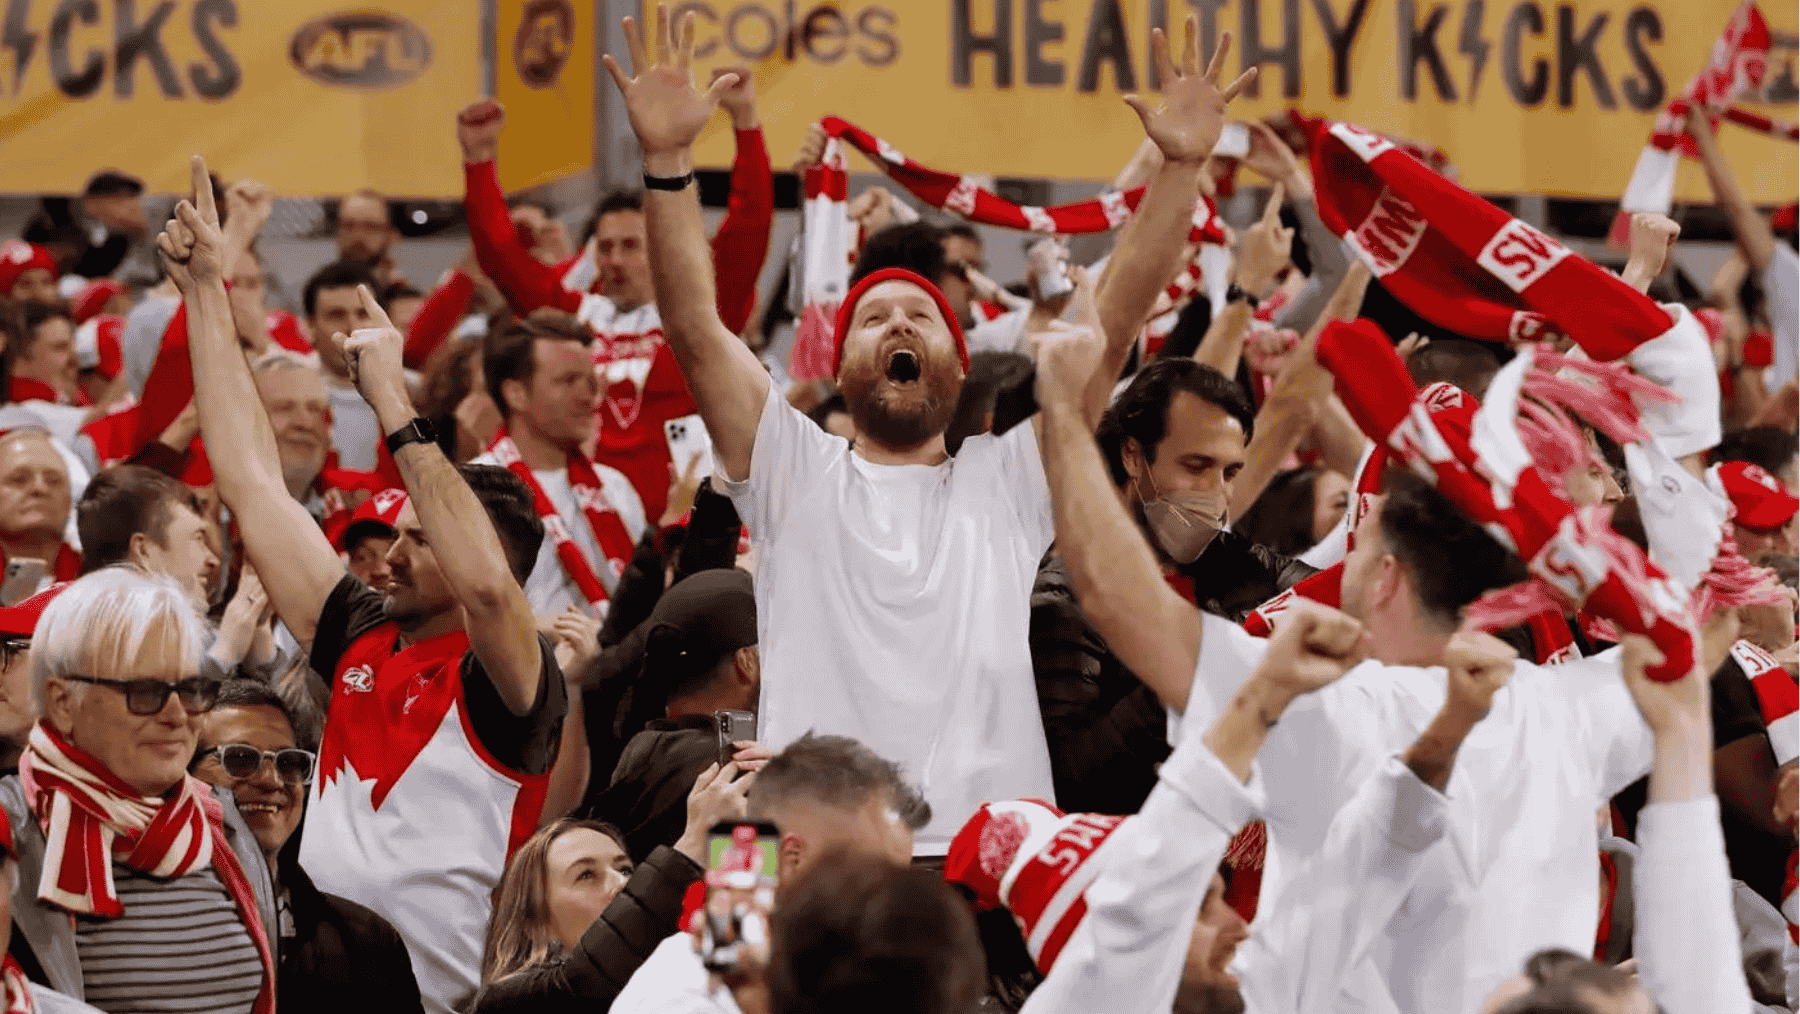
[[672, 980], [1519, 868], [549, 589], [1781, 293], [355, 432], [893, 606]]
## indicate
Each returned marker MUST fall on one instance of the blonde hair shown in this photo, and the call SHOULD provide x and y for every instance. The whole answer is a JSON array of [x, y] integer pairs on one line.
[[520, 934], [103, 623]]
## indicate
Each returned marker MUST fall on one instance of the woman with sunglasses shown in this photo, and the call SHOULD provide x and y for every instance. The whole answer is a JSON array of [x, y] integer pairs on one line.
[[178, 920]]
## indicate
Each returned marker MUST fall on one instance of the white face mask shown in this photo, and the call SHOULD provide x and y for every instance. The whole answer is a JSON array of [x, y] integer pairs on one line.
[[1184, 522]]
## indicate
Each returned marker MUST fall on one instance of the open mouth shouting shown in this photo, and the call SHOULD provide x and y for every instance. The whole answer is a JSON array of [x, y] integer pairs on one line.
[[903, 367]]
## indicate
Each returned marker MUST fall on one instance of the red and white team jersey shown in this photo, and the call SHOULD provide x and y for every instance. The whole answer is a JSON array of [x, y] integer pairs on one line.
[[641, 388], [411, 814]]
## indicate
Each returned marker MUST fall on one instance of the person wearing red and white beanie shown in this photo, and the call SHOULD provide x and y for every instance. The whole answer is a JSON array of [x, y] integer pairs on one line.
[[1763, 510], [27, 273]]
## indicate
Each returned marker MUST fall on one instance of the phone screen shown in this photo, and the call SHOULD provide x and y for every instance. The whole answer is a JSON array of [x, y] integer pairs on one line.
[[733, 927]]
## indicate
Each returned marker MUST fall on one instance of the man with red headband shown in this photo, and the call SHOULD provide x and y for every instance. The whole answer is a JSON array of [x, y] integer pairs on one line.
[[894, 586]]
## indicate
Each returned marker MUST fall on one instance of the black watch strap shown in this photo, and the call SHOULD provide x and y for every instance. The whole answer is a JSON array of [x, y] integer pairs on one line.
[[1238, 293], [418, 431], [668, 182]]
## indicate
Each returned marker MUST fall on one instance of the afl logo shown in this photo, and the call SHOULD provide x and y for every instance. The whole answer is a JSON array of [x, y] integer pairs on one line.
[[358, 679], [360, 49], [541, 47]]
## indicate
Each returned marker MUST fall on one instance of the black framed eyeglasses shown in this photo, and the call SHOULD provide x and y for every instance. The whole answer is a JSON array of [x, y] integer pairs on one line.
[[10, 650], [197, 694], [241, 760]]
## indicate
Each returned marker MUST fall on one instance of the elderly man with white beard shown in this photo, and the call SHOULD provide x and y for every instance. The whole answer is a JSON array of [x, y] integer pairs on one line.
[[894, 580]]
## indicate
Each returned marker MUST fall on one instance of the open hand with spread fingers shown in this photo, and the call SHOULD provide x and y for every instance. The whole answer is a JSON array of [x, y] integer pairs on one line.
[[1186, 125], [193, 248], [666, 110]]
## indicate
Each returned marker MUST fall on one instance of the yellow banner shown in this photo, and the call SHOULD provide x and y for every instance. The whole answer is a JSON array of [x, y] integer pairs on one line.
[[1524, 96], [545, 78], [312, 99]]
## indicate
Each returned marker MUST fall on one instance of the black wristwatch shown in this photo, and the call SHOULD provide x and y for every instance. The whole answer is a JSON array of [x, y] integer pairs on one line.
[[1237, 293], [418, 431], [668, 182]]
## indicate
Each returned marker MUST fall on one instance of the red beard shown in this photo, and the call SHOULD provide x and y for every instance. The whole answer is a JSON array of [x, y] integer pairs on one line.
[[901, 416]]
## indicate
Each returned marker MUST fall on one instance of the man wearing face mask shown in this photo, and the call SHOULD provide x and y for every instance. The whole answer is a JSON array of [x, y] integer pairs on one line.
[[1173, 440]]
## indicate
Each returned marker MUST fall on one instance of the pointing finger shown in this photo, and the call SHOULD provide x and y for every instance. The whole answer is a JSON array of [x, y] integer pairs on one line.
[[203, 192], [376, 313]]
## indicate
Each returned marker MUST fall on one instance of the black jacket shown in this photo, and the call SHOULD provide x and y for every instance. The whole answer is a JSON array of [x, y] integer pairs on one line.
[[587, 980], [1106, 730], [343, 958]]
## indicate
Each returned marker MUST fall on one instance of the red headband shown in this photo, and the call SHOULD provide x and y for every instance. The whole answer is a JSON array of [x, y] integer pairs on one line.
[[847, 309]]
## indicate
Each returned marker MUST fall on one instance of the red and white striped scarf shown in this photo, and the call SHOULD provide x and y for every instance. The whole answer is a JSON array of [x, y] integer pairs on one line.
[[90, 817], [608, 528], [1738, 66], [827, 245], [18, 988]]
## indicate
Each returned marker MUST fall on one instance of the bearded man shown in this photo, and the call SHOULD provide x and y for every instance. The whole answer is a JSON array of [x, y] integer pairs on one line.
[[893, 589]]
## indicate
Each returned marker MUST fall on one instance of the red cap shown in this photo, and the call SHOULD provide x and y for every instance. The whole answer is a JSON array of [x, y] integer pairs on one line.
[[18, 257], [848, 308], [378, 513], [1787, 217], [1762, 501], [21, 620], [93, 297]]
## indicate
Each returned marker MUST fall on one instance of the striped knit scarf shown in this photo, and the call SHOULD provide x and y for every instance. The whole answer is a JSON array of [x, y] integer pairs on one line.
[[90, 817]]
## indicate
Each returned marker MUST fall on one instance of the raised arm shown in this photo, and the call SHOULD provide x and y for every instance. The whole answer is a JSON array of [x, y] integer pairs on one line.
[[1184, 128], [501, 627], [1301, 401], [1754, 237], [1687, 935], [1652, 237], [526, 282], [667, 112], [298, 566], [741, 243], [1262, 252], [1155, 632]]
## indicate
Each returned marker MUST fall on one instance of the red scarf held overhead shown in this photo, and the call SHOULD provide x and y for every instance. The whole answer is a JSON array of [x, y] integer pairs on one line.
[[961, 194], [90, 818], [608, 528]]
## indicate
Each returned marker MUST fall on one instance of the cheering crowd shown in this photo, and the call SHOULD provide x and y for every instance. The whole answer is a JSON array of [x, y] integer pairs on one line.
[[1377, 607]]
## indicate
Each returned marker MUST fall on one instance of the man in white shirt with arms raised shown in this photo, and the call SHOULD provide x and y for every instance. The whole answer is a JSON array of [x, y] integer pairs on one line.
[[894, 581]]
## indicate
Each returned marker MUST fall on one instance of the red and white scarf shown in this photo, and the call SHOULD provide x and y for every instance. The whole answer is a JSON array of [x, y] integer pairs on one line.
[[18, 988], [827, 246], [1738, 66], [608, 528], [90, 817], [1490, 477]]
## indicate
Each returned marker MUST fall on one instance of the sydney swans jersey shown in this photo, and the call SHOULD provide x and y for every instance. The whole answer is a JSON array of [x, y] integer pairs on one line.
[[640, 389], [426, 784]]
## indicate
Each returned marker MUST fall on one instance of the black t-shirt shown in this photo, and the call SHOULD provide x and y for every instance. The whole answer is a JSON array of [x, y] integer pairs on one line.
[[526, 743]]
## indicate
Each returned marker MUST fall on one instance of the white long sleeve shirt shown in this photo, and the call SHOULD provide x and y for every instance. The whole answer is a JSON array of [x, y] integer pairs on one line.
[[1520, 858], [1686, 931], [1156, 866]]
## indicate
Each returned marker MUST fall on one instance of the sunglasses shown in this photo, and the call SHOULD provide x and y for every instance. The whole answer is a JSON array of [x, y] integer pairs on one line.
[[197, 694], [241, 760]]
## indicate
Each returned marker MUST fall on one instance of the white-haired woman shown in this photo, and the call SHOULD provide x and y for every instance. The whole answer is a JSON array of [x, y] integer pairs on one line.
[[169, 890]]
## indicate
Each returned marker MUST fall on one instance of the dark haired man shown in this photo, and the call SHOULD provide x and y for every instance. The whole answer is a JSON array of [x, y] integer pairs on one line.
[[827, 796], [541, 375], [446, 703], [366, 234], [248, 744], [893, 584], [1770, 448], [138, 515], [1173, 441], [1527, 779], [701, 656], [608, 286], [332, 307], [44, 362]]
